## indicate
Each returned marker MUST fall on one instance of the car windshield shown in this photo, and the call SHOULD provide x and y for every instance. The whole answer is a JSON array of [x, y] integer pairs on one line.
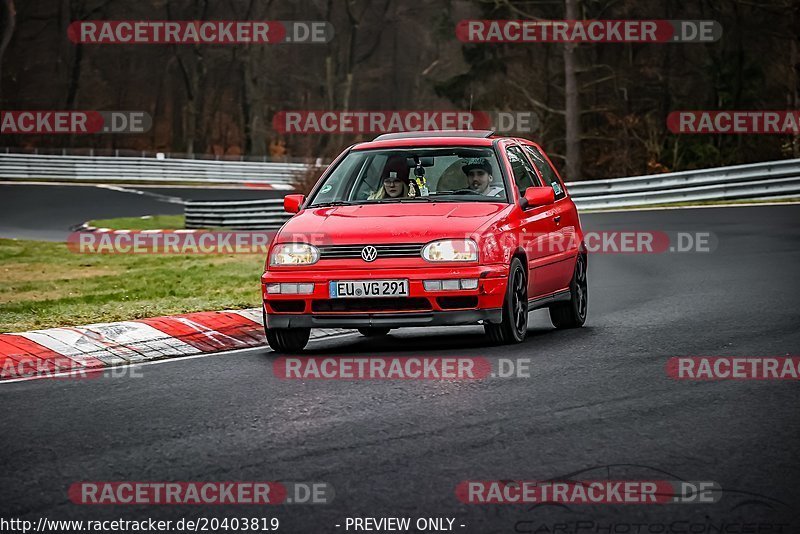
[[453, 174]]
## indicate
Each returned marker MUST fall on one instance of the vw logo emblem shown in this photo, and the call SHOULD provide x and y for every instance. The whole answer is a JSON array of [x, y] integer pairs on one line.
[[369, 253]]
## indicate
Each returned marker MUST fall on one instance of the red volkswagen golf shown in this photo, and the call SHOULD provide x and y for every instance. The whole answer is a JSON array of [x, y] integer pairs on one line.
[[427, 229]]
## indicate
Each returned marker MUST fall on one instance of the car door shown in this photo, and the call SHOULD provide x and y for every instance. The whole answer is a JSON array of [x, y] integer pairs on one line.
[[536, 225], [566, 235]]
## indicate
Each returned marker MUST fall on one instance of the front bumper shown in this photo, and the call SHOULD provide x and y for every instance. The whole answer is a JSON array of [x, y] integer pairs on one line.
[[430, 308], [388, 320]]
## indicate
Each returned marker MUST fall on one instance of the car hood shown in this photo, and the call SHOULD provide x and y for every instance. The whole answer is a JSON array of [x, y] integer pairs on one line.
[[390, 223]]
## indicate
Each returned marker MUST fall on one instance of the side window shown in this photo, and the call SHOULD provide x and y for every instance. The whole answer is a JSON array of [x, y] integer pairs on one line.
[[524, 176], [369, 179], [546, 171]]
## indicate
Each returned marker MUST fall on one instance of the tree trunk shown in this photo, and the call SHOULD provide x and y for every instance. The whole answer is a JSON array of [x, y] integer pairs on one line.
[[8, 21], [572, 101]]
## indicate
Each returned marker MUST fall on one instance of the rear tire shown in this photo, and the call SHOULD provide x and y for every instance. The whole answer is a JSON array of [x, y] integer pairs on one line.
[[374, 331], [572, 314], [514, 326]]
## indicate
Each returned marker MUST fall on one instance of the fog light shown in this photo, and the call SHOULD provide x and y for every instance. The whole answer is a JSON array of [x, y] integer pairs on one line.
[[307, 289], [289, 289], [432, 285], [273, 288], [469, 283], [450, 285]]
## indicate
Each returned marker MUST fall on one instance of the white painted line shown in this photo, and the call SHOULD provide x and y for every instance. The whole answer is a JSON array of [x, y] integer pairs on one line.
[[200, 185], [168, 360]]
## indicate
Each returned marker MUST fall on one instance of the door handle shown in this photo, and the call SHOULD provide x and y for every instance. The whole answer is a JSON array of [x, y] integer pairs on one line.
[[557, 219]]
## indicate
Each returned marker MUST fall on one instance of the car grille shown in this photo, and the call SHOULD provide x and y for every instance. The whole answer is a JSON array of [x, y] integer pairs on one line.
[[287, 306], [336, 252], [370, 305], [457, 303]]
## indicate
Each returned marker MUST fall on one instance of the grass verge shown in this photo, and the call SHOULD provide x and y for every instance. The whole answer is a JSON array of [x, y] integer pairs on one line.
[[148, 222], [43, 285]]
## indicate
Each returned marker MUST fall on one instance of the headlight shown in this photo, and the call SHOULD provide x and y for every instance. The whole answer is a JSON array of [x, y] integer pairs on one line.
[[451, 250], [294, 254]]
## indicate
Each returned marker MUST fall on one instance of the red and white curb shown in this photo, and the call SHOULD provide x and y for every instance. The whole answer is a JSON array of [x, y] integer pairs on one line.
[[44, 353]]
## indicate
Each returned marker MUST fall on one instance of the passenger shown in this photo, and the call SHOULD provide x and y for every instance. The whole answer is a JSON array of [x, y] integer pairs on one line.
[[392, 187], [479, 177]]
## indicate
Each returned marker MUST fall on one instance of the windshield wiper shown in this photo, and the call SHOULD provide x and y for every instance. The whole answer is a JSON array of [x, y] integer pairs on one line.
[[403, 199], [333, 203], [465, 191]]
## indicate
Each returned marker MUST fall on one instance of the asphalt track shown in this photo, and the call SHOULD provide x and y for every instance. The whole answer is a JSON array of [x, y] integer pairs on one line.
[[598, 399], [48, 212]]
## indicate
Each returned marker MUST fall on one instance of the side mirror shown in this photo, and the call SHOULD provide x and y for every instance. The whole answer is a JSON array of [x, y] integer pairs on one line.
[[538, 196], [292, 203]]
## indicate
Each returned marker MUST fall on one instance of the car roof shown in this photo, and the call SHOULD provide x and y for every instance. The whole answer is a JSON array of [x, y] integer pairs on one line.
[[430, 138]]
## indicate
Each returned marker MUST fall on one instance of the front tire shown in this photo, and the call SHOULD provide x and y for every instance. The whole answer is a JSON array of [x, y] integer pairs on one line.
[[288, 340], [572, 314], [373, 331], [514, 325]]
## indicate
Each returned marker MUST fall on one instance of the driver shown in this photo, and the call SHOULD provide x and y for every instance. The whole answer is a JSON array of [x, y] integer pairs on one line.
[[479, 177], [392, 186]]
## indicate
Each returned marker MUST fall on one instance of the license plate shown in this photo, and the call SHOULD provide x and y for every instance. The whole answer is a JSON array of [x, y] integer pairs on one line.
[[368, 288]]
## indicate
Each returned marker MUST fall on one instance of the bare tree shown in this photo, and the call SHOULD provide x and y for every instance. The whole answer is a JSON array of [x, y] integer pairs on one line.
[[8, 17], [572, 103]]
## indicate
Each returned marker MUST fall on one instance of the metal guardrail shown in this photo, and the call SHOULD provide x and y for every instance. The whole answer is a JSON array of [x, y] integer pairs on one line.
[[772, 179], [752, 181], [238, 214], [120, 170]]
